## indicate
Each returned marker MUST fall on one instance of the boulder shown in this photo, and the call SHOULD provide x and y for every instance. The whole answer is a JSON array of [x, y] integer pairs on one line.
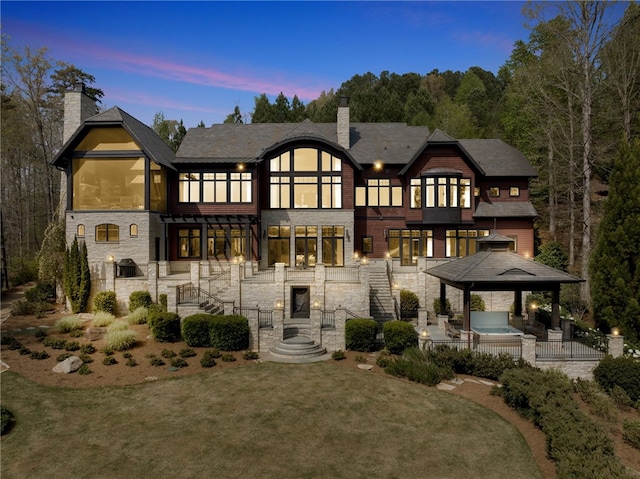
[[69, 365], [94, 334]]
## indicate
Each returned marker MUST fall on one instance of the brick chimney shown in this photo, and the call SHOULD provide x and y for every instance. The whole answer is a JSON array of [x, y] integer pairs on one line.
[[78, 106], [343, 123]]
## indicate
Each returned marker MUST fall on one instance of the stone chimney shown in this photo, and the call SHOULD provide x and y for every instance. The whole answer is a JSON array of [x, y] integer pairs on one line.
[[343, 123], [78, 106]]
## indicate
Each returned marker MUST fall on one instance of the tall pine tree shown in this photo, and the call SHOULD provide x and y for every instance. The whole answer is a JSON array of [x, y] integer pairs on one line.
[[615, 262], [77, 276]]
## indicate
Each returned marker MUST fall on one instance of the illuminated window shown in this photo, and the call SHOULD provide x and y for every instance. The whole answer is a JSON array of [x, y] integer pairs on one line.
[[214, 187], [278, 244], [80, 230], [133, 230], [107, 233], [333, 245], [494, 191], [306, 245], [108, 183], [415, 193], [379, 192], [514, 191], [240, 187], [305, 178], [189, 243], [189, 188], [460, 243], [367, 244], [409, 245]]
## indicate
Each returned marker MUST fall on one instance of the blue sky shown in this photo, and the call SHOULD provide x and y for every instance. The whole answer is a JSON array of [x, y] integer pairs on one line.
[[198, 60]]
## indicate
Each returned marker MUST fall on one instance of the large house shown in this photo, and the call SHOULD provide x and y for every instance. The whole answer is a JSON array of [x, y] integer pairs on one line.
[[287, 223]]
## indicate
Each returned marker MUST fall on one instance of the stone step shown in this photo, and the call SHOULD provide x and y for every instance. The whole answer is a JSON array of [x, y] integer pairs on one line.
[[297, 347]]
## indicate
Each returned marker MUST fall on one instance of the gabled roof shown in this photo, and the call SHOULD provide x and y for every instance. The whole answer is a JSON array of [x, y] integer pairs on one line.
[[152, 145], [393, 143], [497, 158]]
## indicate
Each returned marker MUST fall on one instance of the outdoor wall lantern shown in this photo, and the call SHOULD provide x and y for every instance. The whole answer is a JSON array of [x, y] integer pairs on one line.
[[615, 331], [111, 259], [364, 260], [279, 305], [424, 338], [377, 165], [316, 304]]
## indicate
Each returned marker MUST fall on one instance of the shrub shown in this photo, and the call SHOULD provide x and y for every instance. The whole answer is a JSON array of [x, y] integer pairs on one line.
[[409, 304], [360, 334], [39, 355], [6, 420], [54, 343], [85, 358], [105, 301], [109, 360], [162, 300], [41, 292], [24, 351], [178, 363], [447, 309], [229, 333], [84, 369], [384, 359], [623, 372], [338, 355], [168, 353], [250, 355], [196, 329], [399, 336], [118, 325], [21, 308], [120, 339], [139, 299], [579, 447], [68, 324], [360, 359], [138, 316], [599, 403], [72, 346], [187, 353], [156, 361], [414, 366], [631, 432], [87, 349], [477, 303], [228, 358], [63, 356], [131, 362], [208, 358], [40, 334], [165, 327], [102, 319]]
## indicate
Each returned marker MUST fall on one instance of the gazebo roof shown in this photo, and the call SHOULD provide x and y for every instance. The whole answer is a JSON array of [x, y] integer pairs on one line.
[[499, 271]]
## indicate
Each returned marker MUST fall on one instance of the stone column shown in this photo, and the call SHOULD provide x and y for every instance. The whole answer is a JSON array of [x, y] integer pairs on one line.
[[152, 275], [554, 334], [443, 319], [422, 318], [466, 339], [195, 273], [341, 320], [315, 320], [616, 345], [529, 348], [254, 333], [278, 324]]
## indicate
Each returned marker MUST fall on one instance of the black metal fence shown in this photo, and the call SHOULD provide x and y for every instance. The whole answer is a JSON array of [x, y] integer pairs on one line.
[[574, 349], [510, 346], [328, 319]]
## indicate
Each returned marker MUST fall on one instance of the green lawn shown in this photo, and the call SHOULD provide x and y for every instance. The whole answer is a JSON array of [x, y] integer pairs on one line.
[[266, 421]]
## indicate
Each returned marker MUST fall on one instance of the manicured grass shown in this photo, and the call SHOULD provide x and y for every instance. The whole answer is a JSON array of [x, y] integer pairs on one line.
[[263, 421]]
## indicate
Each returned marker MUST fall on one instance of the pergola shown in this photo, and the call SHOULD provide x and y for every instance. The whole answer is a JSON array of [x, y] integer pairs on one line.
[[495, 268]]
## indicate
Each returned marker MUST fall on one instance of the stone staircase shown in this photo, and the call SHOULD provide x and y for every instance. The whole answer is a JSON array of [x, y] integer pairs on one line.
[[296, 344], [381, 304]]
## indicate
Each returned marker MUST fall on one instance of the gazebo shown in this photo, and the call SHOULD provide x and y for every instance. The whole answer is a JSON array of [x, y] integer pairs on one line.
[[495, 268]]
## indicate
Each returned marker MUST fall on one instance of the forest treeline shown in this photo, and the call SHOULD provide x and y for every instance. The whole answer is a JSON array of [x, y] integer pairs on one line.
[[567, 97]]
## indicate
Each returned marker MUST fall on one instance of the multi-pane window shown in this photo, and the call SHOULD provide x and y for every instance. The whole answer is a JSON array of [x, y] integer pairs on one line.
[[214, 187], [107, 232], [443, 192], [305, 178], [306, 245], [333, 245], [226, 243], [460, 243], [189, 187], [494, 191], [514, 191], [189, 243], [409, 245], [278, 244], [415, 193], [379, 192], [367, 244]]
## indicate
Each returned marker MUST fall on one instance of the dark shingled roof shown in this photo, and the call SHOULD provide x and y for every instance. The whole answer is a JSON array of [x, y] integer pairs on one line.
[[505, 209], [497, 158], [144, 136], [393, 143], [498, 268]]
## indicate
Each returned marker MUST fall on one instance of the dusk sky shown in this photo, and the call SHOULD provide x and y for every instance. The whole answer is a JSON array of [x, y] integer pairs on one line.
[[198, 60]]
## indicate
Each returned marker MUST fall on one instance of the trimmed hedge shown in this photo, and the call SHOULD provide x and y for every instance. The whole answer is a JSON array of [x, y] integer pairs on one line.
[[399, 336], [229, 333], [623, 372], [196, 329], [360, 334], [165, 327], [465, 361], [105, 301], [139, 299], [409, 304]]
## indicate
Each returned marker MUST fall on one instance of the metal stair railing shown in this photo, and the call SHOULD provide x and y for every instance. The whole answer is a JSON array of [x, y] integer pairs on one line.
[[189, 293]]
